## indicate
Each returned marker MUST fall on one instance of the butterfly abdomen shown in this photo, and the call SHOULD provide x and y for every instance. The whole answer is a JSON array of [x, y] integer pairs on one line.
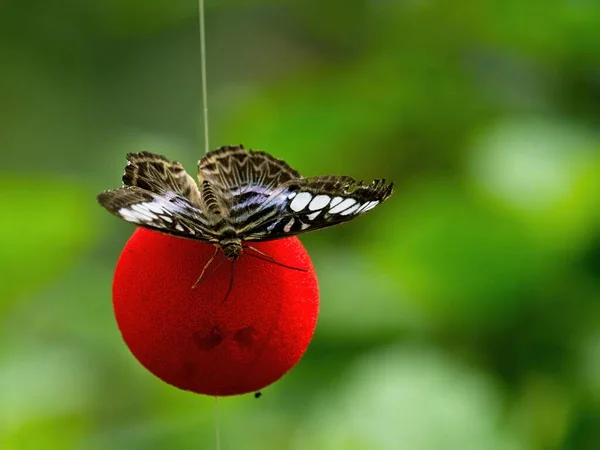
[[210, 200]]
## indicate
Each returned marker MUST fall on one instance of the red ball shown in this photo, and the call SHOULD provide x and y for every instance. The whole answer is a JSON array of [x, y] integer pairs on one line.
[[197, 340]]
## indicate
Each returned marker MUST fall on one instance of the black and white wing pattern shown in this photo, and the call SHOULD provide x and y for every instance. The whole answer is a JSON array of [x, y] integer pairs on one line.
[[242, 195], [266, 199], [157, 174], [242, 180], [309, 204], [159, 195]]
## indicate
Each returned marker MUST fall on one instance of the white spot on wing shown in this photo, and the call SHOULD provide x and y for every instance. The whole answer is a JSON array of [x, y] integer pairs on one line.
[[335, 201], [292, 195], [178, 227], [288, 226], [342, 206], [300, 202], [319, 202], [372, 205], [305, 226], [314, 215], [132, 215], [154, 207], [128, 215], [166, 218], [142, 209], [350, 210], [362, 208]]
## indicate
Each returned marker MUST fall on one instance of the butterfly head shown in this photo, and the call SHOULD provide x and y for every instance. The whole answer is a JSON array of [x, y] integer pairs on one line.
[[232, 250]]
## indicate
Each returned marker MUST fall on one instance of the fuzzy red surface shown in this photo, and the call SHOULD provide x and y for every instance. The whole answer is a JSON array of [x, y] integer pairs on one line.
[[193, 340]]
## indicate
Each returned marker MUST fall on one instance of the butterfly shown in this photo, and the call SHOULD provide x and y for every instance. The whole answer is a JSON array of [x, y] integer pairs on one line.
[[241, 196]]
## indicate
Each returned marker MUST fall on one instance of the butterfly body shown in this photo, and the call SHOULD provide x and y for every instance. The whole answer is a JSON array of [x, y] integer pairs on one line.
[[241, 196]]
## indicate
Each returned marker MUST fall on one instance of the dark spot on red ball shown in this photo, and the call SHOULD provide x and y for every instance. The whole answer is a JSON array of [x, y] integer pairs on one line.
[[245, 336], [210, 340]]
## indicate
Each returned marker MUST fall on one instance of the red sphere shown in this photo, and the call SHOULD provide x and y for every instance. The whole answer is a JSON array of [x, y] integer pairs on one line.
[[197, 340]]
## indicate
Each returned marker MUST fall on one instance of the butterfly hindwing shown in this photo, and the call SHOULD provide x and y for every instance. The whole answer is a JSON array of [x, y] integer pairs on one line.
[[232, 168], [313, 203], [168, 212]]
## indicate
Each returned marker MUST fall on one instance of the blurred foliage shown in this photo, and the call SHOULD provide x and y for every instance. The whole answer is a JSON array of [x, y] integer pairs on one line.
[[463, 314]]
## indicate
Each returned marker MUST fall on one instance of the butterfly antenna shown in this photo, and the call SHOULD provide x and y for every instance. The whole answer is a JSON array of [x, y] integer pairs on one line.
[[230, 283], [201, 277], [269, 258]]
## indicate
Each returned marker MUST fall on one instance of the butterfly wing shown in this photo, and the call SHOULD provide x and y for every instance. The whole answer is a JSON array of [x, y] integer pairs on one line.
[[155, 173], [160, 195], [242, 180], [168, 212], [260, 197], [309, 204]]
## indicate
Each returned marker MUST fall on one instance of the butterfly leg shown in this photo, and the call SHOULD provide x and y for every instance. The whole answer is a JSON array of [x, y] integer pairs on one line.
[[230, 283], [201, 277], [254, 249], [269, 258]]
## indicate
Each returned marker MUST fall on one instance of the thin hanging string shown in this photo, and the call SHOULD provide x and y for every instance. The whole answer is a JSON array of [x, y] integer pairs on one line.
[[217, 424], [203, 74], [206, 150]]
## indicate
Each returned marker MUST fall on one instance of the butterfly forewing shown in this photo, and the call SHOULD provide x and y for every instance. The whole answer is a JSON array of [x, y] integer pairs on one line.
[[168, 213], [314, 203]]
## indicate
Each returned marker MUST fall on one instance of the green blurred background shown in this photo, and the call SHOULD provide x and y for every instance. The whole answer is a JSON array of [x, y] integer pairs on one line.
[[462, 314]]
